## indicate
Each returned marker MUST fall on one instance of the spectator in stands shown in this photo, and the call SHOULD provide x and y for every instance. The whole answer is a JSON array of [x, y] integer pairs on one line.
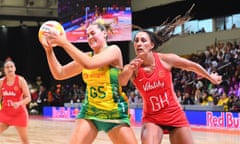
[[151, 74], [50, 97], [58, 95], [42, 98], [38, 82], [187, 99], [105, 107], [234, 26], [32, 106], [198, 93], [206, 99], [77, 95], [133, 99], [235, 104], [230, 102], [223, 101], [179, 96], [229, 67], [231, 91], [236, 90]]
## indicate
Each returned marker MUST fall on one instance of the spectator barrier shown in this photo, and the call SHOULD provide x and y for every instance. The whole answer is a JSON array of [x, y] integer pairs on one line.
[[211, 116]]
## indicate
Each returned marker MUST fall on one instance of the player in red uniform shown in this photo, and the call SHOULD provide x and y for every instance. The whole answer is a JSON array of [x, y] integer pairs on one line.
[[150, 72], [14, 95]]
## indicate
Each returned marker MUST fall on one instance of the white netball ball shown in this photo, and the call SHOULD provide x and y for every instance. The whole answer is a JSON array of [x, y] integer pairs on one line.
[[50, 26]]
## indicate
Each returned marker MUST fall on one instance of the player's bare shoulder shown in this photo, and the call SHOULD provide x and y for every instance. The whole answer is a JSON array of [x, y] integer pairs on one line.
[[166, 55], [114, 46], [21, 80]]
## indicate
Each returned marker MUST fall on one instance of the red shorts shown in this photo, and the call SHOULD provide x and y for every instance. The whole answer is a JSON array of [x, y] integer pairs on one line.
[[14, 117]]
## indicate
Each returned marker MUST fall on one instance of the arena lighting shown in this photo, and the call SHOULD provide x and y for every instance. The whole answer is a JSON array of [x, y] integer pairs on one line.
[[3, 31], [3, 26]]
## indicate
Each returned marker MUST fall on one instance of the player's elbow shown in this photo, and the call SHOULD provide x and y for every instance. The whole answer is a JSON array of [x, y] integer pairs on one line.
[[58, 77], [29, 99]]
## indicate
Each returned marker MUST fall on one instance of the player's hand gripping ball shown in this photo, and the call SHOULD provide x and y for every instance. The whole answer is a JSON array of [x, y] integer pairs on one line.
[[50, 26]]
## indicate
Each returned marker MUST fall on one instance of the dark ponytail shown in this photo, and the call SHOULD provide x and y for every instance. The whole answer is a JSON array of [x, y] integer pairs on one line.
[[167, 27]]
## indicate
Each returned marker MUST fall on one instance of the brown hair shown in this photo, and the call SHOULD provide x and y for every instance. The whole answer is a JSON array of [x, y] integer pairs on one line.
[[8, 59], [102, 25]]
